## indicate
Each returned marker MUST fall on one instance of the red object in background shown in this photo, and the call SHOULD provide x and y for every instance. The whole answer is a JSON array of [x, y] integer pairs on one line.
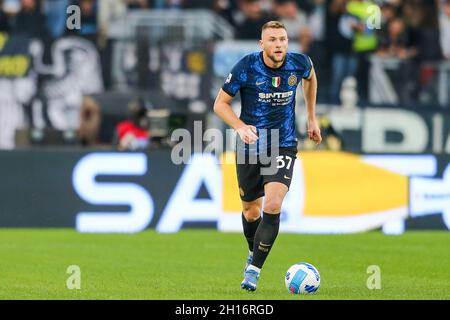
[[126, 127], [426, 74]]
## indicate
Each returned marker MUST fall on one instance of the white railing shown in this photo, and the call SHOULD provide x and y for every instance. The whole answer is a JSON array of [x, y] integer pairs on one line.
[[187, 25], [382, 89]]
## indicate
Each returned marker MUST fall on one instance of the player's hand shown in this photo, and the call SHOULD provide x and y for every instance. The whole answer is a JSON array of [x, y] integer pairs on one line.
[[247, 133], [314, 131]]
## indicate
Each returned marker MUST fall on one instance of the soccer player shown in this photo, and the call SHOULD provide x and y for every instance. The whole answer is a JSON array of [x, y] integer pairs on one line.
[[267, 82]]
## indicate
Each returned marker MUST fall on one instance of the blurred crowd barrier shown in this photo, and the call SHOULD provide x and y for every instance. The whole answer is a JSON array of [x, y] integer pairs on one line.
[[65, 90], [61, 96]]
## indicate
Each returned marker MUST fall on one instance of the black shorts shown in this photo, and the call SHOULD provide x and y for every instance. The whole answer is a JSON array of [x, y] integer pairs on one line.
[[255, 173]]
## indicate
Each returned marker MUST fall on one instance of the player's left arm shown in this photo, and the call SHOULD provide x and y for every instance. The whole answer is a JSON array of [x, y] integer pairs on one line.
[[310, 92]]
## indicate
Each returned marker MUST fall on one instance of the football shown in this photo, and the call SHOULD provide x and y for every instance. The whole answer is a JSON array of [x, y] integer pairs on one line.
[[302, 278]]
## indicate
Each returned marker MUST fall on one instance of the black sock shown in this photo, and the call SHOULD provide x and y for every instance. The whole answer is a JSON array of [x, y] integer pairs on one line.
[[265, 237], [250, 230]]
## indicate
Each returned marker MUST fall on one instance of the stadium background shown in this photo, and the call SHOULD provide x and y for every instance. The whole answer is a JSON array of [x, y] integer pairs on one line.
[[383, 106], [80, 178]]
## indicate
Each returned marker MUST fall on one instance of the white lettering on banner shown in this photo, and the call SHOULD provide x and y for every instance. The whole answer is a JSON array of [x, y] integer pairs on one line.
[[431, 196], [341, 118], [377, 122], [438, 128], [417, 165], [154, 58], [182, 205], [427, 195], [174, 58], [187, 85], [447, 145], [112, 193], [374, 140]]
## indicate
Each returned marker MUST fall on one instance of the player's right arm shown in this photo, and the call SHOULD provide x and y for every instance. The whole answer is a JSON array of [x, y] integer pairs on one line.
[[222, 107]]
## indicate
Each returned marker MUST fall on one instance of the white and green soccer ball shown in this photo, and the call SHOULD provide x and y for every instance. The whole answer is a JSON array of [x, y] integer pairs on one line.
[[302, 278]]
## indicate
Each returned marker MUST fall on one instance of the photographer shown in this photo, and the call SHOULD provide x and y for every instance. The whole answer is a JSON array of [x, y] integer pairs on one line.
[[134, 133]]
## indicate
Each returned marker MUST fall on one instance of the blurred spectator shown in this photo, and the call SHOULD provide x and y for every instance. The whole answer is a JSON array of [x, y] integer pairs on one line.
[[388, 13], [199, 4], [90, 121], [134, 133], [289, 14], [339, 40], [4, 20], [428, 33], [315, 50], [250, 18], [139, 4], [421, 21], [55, 11], [306, 5], [167, 4], [316, 20], [30, 20], [398, 43], [226, 8], [429, 51], [306, 41], [444, 24], [11, 7], [4, 23], [364, 42], [109, 10]]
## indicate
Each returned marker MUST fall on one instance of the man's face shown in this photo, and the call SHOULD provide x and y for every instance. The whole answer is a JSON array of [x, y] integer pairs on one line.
[[447, 9], [251, 8], [305, 36], [87, 6], [274, 43], [28, 4]]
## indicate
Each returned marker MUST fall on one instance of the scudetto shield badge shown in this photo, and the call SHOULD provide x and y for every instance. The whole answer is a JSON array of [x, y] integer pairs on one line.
[[276, 81]]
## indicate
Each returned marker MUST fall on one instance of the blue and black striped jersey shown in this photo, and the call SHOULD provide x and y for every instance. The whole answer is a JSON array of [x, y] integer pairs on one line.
[[268, 95]]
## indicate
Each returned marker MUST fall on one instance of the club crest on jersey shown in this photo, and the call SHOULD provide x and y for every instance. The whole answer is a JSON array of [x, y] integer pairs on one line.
[[276, 81], [292, 81]]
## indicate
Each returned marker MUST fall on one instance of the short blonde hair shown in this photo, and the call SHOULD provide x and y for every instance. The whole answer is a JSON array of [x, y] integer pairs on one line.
[[274, 25]]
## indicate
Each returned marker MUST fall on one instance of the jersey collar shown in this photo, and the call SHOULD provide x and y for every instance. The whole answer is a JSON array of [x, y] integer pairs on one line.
[[275, 69]]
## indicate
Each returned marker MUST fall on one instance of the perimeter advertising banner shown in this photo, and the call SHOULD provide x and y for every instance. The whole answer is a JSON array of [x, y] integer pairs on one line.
[[391, 129], [337, 192], [331, 192]]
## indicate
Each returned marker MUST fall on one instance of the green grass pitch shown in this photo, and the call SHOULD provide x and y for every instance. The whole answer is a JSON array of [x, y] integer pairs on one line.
[[206, 264]]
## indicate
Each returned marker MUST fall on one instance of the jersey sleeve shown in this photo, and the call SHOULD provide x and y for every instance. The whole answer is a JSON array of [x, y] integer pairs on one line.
[[236, 79], [307, 66]]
